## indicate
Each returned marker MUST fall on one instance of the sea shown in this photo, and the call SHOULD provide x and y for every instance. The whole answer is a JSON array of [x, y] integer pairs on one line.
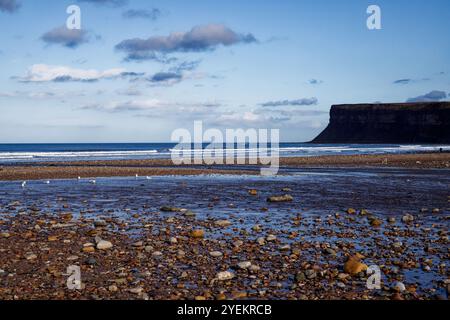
[[13, 153]]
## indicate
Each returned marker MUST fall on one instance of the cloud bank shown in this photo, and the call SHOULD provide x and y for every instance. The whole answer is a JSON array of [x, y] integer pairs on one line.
[[285, 103], [198, 39], [46, 73], [152, 14], [432, 96], [9, 5], [66, 37]]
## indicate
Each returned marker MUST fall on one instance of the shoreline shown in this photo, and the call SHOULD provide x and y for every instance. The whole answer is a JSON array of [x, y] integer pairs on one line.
[[163, 167]]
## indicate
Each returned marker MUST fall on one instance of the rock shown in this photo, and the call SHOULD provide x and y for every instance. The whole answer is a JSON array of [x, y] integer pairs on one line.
[[310, 274], [261, 241], [285, 247], [104, 245], [100, 224], [198, 234], [397, 245], [157, 254], [138, 244], [375, 223], [52, 238], [253, 192], [353, 266], [271, 237], [300, 277], [173, 240], [222, 223], [189, 213], [238, 243], [407, 218], [91, 261], [5, 235], [137, 290], [256, 228], [285, 198], [216, 254], [88, 249], [170, 209], [391, 220], [399, 286], [224, 275], [286, 190], [113, 288], [351, 211], [329, 251], [31, 256], [244, 264]]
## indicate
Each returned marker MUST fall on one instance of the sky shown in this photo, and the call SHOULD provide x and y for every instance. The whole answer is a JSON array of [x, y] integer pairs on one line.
[[138, 69]]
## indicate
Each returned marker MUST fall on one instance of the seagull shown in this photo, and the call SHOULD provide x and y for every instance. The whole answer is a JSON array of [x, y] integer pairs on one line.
[[79, 178], [149, 178], [137, 176], [92, 181], [24, 184], [47, 182]]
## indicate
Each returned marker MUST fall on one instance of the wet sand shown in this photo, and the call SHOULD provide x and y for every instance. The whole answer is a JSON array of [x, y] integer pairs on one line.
[[217, 237], [159, 167]]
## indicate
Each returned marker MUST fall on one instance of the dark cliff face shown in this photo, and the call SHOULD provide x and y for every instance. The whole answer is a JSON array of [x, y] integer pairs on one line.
[[404, 123]]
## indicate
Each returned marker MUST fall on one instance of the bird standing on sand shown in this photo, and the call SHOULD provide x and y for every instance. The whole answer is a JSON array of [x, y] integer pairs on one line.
[[24, 184]]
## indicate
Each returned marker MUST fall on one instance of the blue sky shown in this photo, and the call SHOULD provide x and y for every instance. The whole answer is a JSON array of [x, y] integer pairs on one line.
[[137, 70]]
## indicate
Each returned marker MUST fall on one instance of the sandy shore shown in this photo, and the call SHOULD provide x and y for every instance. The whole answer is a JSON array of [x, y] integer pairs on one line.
[[159, 167]]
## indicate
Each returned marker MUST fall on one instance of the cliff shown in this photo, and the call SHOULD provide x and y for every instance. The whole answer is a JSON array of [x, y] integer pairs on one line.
[[396, 123]]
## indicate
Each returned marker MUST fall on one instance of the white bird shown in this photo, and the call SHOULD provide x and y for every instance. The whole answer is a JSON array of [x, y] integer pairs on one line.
[[47, 182], [79, 178], [92, 181], [24, 184], [137, 176], [149, 178]]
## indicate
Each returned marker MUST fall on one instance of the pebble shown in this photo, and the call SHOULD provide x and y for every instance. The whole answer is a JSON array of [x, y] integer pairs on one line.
[[113, 288], [351, 211], [104, 245], [225, 275], [399, 286], [407, 218], [285, 198], [222, 223], [197, 234], [330, 251], [137, 290], [271, 237], [353, 266], [261, 241], [31, 256], [157, 254], [216, 254], [244, 264]]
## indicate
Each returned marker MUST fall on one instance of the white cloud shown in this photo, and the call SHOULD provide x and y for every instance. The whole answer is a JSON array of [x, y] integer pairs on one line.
[[47, 73]]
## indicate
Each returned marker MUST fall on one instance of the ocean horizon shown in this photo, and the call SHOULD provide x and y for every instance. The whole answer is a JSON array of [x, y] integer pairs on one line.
[[40, 152]]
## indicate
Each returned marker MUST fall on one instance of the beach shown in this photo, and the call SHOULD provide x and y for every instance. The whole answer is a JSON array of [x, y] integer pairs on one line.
[[160, 167], [225, 232]]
